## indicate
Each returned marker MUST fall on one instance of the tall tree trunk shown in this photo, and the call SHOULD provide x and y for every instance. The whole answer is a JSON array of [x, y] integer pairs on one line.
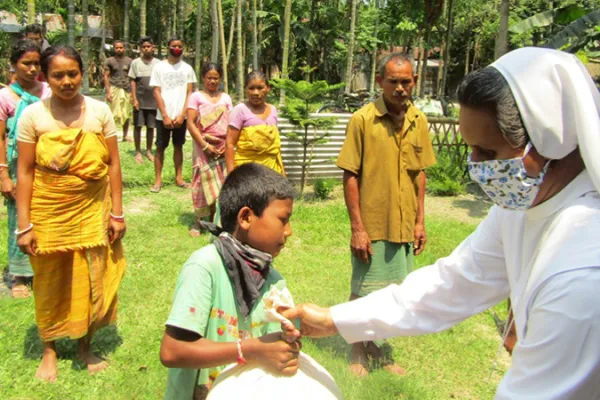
[[126, 24], [350, 58], [254, 37], [449, 27], [502, 39], [222, 40], [260, 28], [420, 69], [214, 16], [231, 32], [181, 19], [71, 23], [142, 18], [85, 46], [374, 53], [287, 22], [160, 32], [31, 11], [198, 42], [476, 48], [103, 37], [239, 53], [468, 55], [423, 74], [174, 18]]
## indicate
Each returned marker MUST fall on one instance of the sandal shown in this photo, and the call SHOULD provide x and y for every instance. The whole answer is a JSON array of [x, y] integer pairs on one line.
[[20, 292], [155, 188]]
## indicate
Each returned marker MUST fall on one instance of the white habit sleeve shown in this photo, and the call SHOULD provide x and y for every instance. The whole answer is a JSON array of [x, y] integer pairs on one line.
[[433, 298]]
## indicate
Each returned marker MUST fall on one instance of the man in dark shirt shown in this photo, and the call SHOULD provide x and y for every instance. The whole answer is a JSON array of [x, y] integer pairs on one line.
[[144, 104], [116, 84]]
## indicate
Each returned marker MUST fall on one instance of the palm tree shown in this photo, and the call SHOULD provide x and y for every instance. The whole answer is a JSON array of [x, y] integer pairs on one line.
[[31, 11], [214, 16], [287, 22], [222, 41], [240, 53], [71, 23], [197, 47], [502, 39], [142, 18], [254, 37], [181, 19], [126, 23], [85, 46], [351, 47]]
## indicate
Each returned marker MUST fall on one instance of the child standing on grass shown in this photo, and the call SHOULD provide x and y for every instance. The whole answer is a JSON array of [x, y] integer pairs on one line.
[[218, 316]]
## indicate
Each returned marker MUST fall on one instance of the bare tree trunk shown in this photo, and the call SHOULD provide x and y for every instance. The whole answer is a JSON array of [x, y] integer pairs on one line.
[[71, 23], [239, 53], [260, 28], [423, 74], [449, 27], [502, 38], [231, 32], [174, 18], [468, 55], [103, 38], [142, 18], [476, 48], [126, 24], [214, 16], [374, 54], [350, 58], [181, 19], [420, 69], [254, 37], [85, 46], [160, 28], [440, 74], [287, 22], [31, 11], [198, 41], [222, 40]]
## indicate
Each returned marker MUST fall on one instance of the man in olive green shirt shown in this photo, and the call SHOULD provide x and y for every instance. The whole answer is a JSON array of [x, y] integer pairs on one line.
[[386, 150]]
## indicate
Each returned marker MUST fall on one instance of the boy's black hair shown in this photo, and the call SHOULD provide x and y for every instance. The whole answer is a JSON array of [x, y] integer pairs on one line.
[[36, 29], [61, 50], [145, 39], [173, 39], [118, 41], [251, 185], [20, 48]]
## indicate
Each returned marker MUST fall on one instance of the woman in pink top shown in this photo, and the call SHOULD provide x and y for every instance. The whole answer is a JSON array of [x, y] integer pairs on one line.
[[207, 121], [25, 60]]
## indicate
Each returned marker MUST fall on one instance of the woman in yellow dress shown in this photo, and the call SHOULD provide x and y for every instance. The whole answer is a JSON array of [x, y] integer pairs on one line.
[[70, 211], [253, 135]]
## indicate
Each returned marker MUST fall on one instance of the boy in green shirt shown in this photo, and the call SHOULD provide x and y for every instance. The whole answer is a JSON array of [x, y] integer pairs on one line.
[[218, 316]]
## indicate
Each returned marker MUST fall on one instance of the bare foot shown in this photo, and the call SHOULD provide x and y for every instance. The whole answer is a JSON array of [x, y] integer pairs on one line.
[[138, 158], [48, 369], [149, 156], [395, 369], [358, 361], [378, 356], [94, 363], [20, 291]]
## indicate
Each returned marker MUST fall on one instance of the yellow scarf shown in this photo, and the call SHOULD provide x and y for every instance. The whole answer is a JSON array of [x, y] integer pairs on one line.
[[260, 144], [71, 200]]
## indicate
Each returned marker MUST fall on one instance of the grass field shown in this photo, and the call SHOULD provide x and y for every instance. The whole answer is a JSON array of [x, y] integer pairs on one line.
[[453, 364]]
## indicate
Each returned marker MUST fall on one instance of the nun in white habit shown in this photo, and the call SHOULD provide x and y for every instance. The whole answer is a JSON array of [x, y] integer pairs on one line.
[[532, 122]]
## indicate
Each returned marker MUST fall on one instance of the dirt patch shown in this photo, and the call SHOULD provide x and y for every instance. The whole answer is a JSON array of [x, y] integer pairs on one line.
[[139, 205], [465, 208]]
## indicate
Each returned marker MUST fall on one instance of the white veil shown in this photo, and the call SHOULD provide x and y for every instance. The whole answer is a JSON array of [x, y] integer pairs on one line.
[[558, 101]]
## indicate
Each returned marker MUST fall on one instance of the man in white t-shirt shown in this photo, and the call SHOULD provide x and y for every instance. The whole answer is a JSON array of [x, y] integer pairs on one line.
[[172, 81]]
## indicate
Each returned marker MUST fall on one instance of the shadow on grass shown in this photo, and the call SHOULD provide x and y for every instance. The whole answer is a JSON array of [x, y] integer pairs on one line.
[[187, 219], [335, 345], [105, 341], [476, 208]]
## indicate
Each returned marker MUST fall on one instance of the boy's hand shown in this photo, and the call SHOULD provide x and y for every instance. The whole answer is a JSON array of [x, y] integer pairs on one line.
[[289, 333], [273, 354]]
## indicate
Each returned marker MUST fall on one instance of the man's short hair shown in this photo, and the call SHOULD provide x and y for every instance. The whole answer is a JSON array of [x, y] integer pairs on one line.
[[399, 58], [36, 29], [119, 41], [145, 39], [251, 185], [174, 39]]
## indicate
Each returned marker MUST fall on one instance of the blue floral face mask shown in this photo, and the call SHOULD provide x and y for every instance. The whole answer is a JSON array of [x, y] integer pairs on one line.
[[506, 181]]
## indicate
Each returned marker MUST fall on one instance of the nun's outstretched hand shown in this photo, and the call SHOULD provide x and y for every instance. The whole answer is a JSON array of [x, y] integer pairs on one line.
[[315, 321]]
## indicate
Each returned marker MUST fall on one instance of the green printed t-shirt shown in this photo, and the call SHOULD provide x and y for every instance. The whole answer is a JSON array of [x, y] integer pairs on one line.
[[204, 303]]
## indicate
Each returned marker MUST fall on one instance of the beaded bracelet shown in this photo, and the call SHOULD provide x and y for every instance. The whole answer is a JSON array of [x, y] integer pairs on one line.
[[19, 233], [240, 357]]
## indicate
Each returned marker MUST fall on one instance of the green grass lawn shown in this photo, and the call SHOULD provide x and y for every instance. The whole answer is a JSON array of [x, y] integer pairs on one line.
[[316, 265]]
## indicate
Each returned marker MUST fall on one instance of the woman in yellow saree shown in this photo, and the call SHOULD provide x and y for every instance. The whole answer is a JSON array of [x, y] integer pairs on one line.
[[70, 212], [253, 135]]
